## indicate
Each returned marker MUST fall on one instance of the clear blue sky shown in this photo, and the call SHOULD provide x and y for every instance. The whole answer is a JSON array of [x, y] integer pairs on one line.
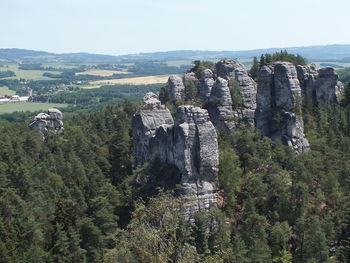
[[133, 26]]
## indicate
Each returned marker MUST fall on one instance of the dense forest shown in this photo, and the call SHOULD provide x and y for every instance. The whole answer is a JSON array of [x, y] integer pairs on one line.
[[76, 198]]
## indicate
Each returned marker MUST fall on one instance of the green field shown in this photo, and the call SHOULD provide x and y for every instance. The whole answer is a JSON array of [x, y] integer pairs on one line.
[[6, 91], [28, 106], [27, 74]]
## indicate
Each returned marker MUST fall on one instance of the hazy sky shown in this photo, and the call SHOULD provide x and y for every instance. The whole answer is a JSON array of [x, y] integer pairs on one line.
[[132, 26]]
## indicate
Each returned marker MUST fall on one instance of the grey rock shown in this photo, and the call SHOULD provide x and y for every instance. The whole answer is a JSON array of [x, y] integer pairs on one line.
[[190, 144], [234, 71], [278, 113], [220, 106], [52, 121], [320, 87], [264, 100], [197, 157], [190, 77], [307, 79], [176, 88], [328, 89], [145, 123], [206, 85]]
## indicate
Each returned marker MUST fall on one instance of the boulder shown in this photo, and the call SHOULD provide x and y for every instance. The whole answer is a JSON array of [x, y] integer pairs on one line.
[[52, 121]]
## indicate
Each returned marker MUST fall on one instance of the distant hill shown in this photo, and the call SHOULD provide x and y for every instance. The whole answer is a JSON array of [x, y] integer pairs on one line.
[[339, 53]]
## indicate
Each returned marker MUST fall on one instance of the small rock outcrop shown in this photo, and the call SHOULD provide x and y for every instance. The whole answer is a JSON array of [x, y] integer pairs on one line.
[[190, 144], [52, 121], [279, 101]]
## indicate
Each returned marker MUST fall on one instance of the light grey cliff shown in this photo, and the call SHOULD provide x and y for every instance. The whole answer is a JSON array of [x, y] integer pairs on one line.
[[191, 145], [52, 121], [145, 123], [207, 83], [234, 71], [176, 88], [320, 87], [220, 106], [279, 101]]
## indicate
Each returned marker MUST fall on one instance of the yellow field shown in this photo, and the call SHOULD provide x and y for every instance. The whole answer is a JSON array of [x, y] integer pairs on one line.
[[135, 81], [101, 72]]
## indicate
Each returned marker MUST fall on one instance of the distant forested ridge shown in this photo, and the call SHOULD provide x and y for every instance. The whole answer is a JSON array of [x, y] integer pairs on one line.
[[316, 53]]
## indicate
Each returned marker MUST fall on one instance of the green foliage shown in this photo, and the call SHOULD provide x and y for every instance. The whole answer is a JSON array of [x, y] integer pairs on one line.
[[344, 74], [254, 70], [282, 56], [346, 98], [191, 91], [235, 91], [7, 73], [200, 65]]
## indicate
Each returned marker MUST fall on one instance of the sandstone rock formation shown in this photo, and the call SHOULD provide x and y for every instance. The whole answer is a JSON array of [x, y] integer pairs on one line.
[[145, 123], [236, 72], [320, 87], [206, 85], [220, 106], [52, 121], [279, 101], [190, 144], [177, 88]]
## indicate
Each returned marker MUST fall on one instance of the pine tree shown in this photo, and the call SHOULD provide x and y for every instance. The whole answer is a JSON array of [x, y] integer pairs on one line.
[[343, 253], [315, 242], [254, 70]]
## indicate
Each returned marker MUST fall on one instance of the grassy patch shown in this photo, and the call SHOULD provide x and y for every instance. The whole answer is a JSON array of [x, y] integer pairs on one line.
[[28, 106], [27, 74], [6, 91]]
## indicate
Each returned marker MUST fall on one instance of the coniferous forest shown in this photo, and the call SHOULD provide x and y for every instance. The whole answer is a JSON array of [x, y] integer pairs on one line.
[[75, 197]]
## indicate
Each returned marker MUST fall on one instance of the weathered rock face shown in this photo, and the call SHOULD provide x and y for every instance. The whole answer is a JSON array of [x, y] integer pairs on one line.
[[220, 106], [190, 77], [206, 85], [278, 113], [234, 71], [190, 144], [176, 88], [52, 121], [264, 100], [320, 87], [146, 120], [327, 87]]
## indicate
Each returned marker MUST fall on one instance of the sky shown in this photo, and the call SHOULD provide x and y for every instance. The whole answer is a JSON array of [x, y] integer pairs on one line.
[[119, 27]]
